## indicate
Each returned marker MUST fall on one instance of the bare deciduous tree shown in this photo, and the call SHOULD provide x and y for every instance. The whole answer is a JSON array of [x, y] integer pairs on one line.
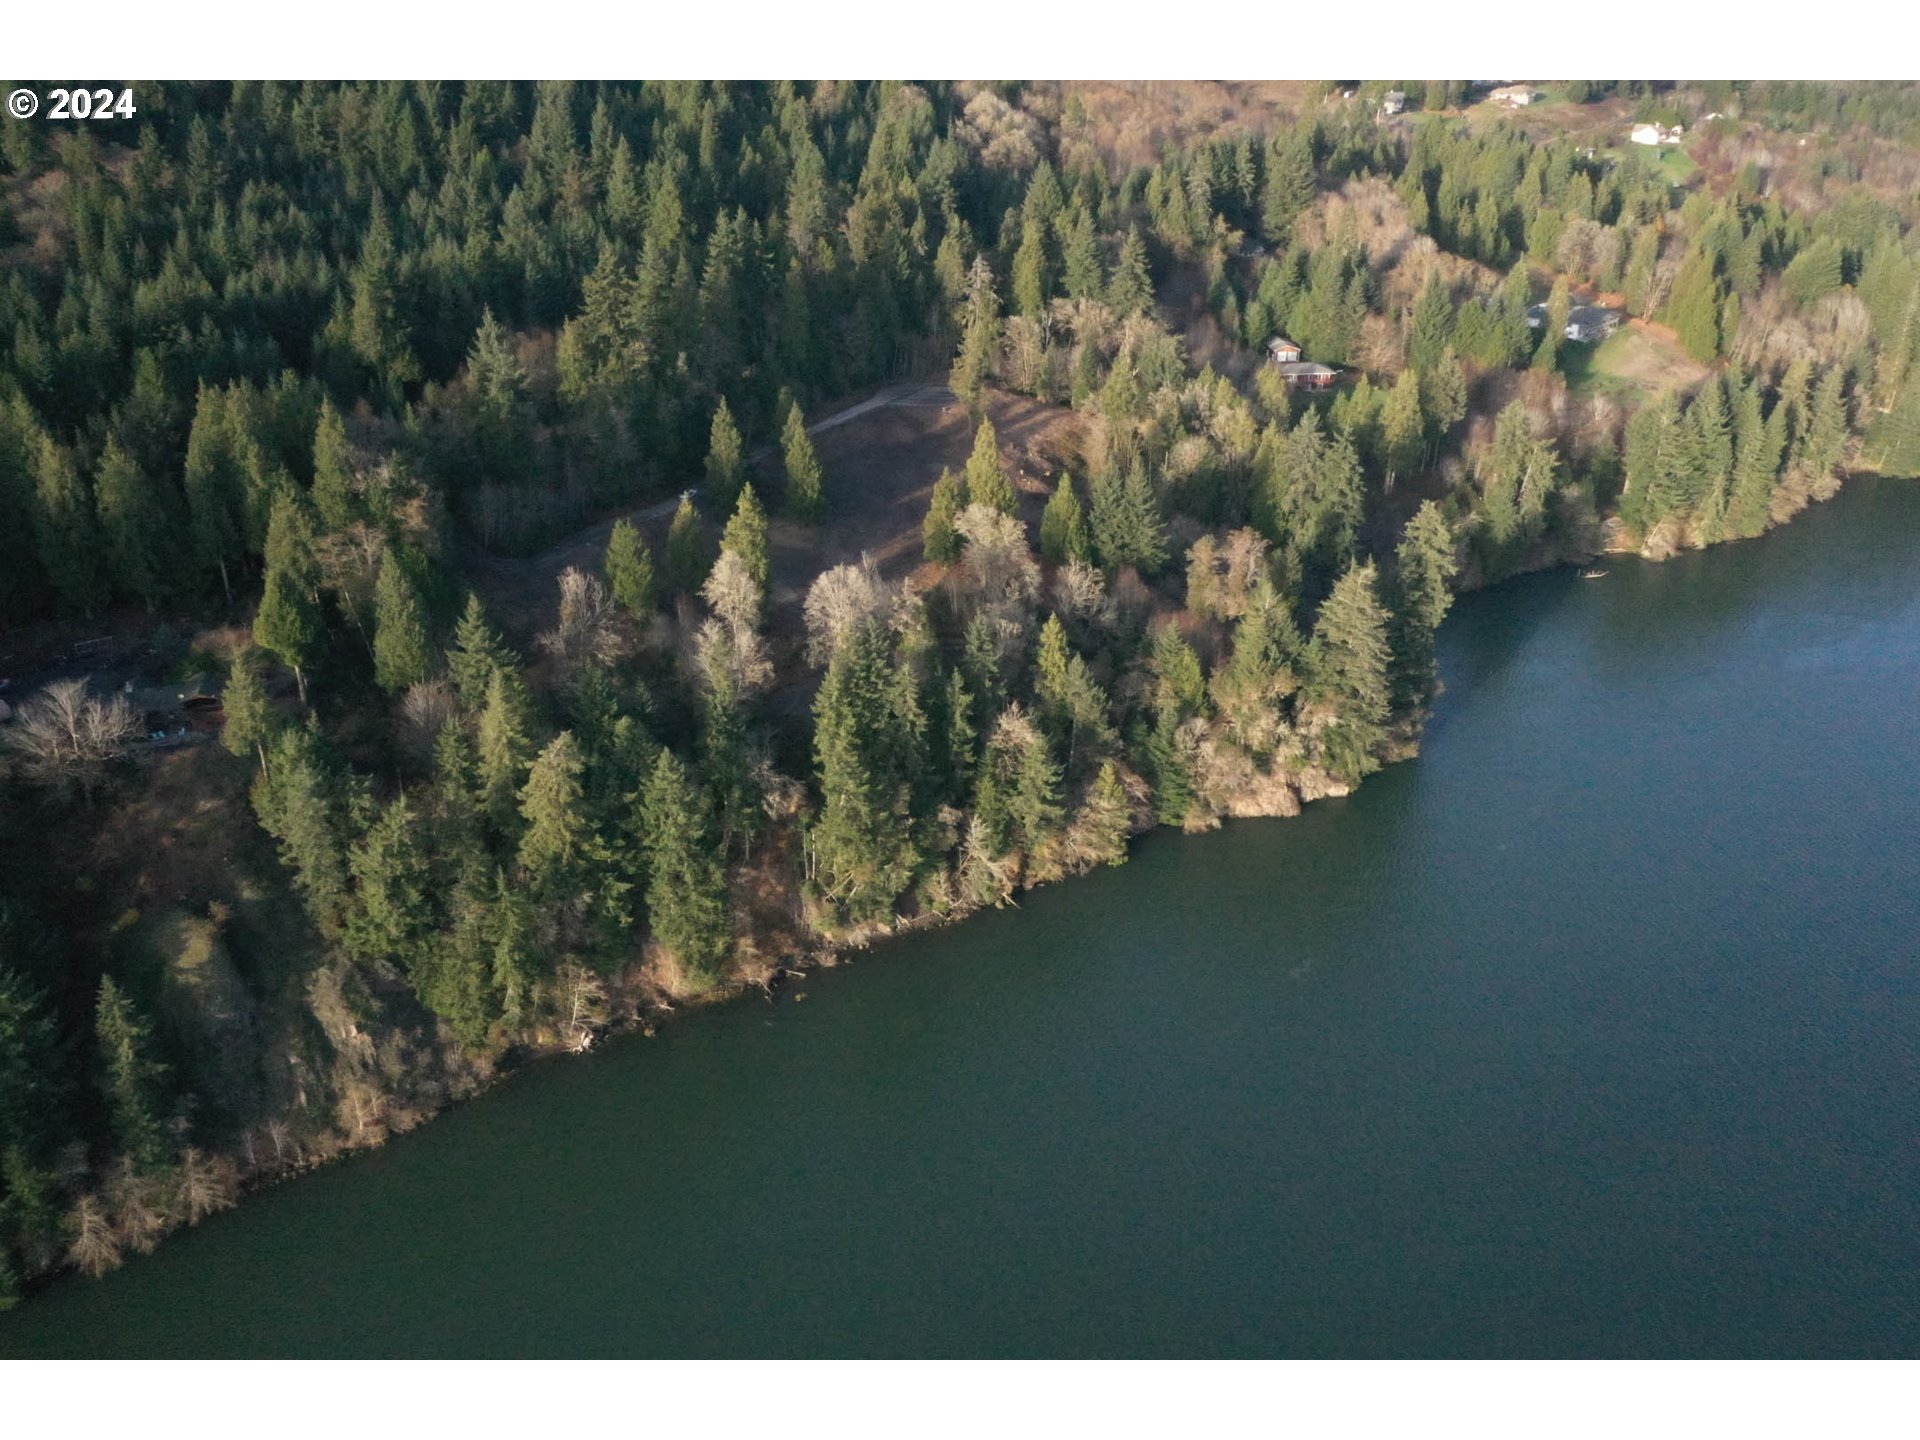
[[590, 627], [997, 561], [840, 601], [64, 738], [95, 1248]]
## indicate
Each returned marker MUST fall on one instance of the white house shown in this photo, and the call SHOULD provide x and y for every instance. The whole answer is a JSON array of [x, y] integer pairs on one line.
[[1514, 96], [1647, 133]]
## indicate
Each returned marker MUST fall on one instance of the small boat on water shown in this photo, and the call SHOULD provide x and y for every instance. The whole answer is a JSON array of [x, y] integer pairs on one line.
[[1593, 574]]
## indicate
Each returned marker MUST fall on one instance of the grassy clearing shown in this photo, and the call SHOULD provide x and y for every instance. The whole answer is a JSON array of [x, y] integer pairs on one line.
[[1633, 365]]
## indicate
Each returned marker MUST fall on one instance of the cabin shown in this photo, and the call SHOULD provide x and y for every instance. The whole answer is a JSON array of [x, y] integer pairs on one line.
[[1393, 102], [1647, 133], [1308, 375], [1514, 96], [1282, 352], [1587, 324]]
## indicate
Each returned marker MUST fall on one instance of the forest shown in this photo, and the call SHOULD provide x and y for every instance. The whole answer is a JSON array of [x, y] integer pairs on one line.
[[291, 374]]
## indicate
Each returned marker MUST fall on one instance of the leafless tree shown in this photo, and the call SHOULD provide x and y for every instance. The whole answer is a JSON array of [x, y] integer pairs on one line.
[[590, 627], [207, 1184], [424, 712], [839, 602], [997, 561], [95, 1248], [64, 738]]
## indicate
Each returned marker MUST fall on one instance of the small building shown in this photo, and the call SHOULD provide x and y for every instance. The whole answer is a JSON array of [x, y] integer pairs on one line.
[[1393, 102], [1514, 96], [1308, 375], [1282, 351], [1586, 324], [1647, 133]]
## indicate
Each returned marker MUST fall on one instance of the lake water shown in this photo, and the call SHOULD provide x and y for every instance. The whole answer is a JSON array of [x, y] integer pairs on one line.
[[1593, 1031]]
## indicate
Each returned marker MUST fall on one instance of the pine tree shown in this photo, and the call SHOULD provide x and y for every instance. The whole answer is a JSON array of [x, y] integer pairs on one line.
[[1106, 818], [249, 714], [686, 882], [391, 917], [214, 488], [1289, 187], [726, 461], [476, 654], [1080, 255], [134, 525], [687, 558], [131, 1078], [1030, 270], [1693, 307], [287, 623], [806, 497], [746, 536], [297, 800], [1126, 524], [1432, 327], [333, 480], [1130, 290], [1757, 450], [28, 1061], [1546, 358], [401, 652], [628, 566], [69, 540], [1424, 567], [939, 540], [861, 847], [987, 482], [553, 841], [1824, 445], [1403, 427], [979, 335], [1350, 670], [1063, 526], [504, 750]]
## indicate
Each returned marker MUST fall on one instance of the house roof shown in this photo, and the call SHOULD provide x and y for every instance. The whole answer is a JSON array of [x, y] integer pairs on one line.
[[1306, 367], [1280, 342]]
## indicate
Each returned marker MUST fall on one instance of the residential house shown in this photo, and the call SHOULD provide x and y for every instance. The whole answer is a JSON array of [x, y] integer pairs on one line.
[[1587, 324], [1393, 102], [1282, 351], [1514, 96], [1647, 133]]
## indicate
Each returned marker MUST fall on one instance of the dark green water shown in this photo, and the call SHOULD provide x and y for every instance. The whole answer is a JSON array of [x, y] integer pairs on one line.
[[1594, 1031]]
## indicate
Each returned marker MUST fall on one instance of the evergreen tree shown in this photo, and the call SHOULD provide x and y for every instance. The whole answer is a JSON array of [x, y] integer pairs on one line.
[[628, 566], [134, 525], [1432, 327], [131, 1078], [553, 840], [1063, 526], [987, 482], [1126, 524], [746, 536], [297, 800], [979, 336], [249, 714], [27, 1061], [504, 750], [333, 479], [726, 461], [806, 498], [476, 654], [686, 882], [1130, 290], [1289, 187], [1080, 256], [287, 623], [401, 652], [939, 540], [69, 540], [1351, 656], [1693, 307], [391, 918], [1030, 270], [687, 558], [1424, 568], [861, 848], [1757, 445], [1403, 426], [1106, 818]]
